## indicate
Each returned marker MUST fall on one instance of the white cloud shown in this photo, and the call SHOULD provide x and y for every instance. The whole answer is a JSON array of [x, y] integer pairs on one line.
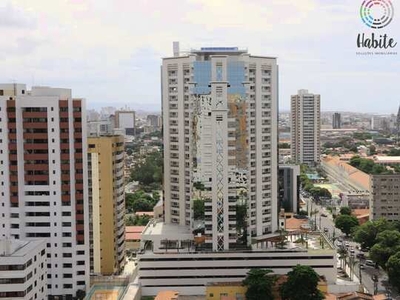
[[108, 49]]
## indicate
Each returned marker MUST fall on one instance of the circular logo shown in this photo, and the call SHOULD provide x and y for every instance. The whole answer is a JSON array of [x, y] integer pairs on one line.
[[377, 13]]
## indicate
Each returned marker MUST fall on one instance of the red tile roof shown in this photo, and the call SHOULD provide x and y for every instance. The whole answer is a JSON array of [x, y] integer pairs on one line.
[[133, 232]]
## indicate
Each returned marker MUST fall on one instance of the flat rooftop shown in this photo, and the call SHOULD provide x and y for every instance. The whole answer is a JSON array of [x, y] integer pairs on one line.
[[18, 248], [167, 230], [389, 159], [158, 231]]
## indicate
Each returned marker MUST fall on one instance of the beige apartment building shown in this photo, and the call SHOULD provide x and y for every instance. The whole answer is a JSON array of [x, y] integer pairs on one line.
[[306, 128], [220, 120], [107, 204], [385, 201]]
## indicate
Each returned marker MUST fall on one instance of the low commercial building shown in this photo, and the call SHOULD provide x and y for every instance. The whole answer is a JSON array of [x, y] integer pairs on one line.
[[349, 177], [387, 160], [23, 268], [133, 236], [356, 200], [225, 290], [171, 259]]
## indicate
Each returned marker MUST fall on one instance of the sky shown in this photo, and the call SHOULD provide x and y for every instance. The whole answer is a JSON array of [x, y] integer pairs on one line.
[[109, 51]]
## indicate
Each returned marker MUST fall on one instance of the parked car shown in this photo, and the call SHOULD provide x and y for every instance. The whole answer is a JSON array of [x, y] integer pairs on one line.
[[324, 215], [369, 262], [360, 255], [326, 229], [362, 267]]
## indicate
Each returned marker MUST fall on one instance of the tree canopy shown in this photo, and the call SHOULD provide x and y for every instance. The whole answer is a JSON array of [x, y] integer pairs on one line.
[[388, 244], [346, 223], [345, 210], [317, 192], [137, 220], [150, 171], [259, 284], [140, 201], [393, 269], [368, 166], [302, 284], [366, 234], [198, 209], [284, 146], [394, 152]]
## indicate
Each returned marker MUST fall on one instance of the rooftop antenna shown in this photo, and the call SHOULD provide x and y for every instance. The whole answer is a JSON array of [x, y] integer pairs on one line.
[[175, 46]]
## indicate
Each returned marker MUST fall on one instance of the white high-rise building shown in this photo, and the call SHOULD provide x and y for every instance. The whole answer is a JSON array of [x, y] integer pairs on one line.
[[43, 163], [220, 120], [306, 128]]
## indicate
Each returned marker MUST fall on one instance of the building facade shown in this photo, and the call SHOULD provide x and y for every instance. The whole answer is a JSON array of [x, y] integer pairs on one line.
[[191, 273], [289, 187], [154, 121], [106, 204], [43, 177], [220, 120], [384, 201], [125, 119], [100, 127], [23, 270], [306, 128], [336, 121]]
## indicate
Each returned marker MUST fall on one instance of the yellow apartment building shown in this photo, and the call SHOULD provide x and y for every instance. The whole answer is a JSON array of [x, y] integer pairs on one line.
[[106, 204]]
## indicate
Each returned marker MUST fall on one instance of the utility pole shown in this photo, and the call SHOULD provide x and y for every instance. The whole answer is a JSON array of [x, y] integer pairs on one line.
[[375, 280]]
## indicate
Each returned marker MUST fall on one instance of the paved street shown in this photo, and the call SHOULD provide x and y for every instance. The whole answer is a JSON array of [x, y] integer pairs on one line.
[[365, 276]]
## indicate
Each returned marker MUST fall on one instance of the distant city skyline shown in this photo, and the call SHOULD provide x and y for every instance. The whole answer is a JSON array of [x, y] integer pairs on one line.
[[81, 45]]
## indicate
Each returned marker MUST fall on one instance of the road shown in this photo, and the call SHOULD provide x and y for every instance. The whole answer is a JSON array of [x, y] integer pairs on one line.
[[365, 276]]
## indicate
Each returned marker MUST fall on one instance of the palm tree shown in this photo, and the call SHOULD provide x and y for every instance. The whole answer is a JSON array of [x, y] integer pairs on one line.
[[343, 255]]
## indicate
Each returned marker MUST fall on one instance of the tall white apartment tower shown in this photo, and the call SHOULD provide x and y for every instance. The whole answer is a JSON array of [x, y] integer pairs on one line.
[[220, 137], [43, 176], [306, 128]]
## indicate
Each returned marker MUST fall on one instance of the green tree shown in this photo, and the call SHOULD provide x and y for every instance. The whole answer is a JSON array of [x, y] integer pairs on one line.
[[394, 152], [284, 146], [393, 269], [302, 284], [388, 244], [199, 185], [259, 284], [241, 217], [150, 171], [367, 233], [346, 223], [198, 209], [303, 213], [320, 192], [345, 210], [141, 220], [139, 201], [80, 294], [372, 150], [130, 221]]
